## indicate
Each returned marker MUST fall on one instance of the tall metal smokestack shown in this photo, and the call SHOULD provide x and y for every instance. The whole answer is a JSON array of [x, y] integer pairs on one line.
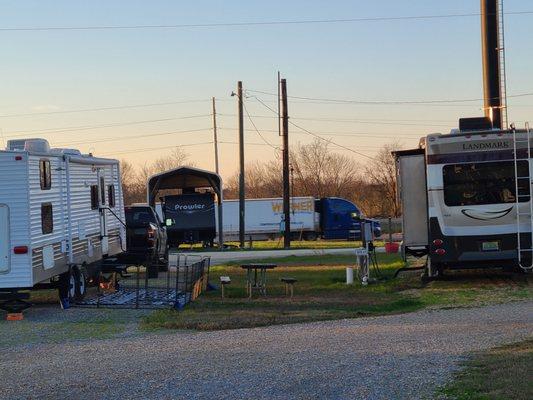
[[491, 61]]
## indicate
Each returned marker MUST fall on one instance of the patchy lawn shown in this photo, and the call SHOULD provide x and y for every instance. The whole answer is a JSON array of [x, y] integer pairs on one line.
[[321, 294], [278, 245], [502, 373]]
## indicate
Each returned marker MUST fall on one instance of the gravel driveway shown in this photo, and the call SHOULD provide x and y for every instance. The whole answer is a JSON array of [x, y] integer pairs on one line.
[[392, 357]]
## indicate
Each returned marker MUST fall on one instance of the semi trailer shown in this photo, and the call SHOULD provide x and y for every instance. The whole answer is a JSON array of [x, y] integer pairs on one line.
[[191, 218]]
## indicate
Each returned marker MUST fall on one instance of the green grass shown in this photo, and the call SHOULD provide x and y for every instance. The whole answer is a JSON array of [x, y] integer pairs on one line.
[[321, 294], [295, 244], [502, 373]]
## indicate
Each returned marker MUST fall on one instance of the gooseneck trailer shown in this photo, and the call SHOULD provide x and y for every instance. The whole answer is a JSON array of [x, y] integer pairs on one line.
[[61, 214]]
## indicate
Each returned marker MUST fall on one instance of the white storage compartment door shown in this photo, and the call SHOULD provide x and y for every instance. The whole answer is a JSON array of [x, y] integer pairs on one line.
[[4, 238], [413, 195]]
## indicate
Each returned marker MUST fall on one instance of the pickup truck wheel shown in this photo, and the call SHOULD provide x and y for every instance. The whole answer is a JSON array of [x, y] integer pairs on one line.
[[163, 262]]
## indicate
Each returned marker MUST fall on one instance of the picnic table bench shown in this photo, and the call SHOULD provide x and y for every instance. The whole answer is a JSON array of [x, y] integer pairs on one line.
[[256, 277]]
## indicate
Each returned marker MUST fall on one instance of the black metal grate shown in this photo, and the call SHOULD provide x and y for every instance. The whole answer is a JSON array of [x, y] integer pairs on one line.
[[173, 284]]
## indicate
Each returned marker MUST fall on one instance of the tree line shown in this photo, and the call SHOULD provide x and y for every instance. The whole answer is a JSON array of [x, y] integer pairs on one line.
[[316, 170]]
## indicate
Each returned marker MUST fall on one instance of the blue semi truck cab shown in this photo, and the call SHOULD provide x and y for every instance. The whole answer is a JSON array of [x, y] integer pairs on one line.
[[337, 219]]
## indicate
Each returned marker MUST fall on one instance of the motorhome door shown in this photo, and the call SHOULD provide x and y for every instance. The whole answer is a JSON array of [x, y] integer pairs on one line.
[[4, 238], [103, 213]]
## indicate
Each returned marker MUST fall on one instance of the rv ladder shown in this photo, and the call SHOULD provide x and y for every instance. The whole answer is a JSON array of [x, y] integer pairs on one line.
[[503, 74], [524, 238]]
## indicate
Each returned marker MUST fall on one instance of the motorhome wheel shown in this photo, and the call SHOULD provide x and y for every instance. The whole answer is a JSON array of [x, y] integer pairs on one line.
[[80, 278]]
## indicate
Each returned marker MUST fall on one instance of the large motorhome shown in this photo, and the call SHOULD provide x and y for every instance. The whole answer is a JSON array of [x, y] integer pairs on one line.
[[61, 213], [466, 199]]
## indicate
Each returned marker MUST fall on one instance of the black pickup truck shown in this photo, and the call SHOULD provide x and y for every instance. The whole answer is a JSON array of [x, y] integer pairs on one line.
[[146, 235]]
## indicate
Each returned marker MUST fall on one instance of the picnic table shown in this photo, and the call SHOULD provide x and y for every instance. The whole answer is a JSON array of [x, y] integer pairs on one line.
[[256, 277]]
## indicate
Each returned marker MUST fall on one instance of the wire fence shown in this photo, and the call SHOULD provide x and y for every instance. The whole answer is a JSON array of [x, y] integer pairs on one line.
[[153, 285]]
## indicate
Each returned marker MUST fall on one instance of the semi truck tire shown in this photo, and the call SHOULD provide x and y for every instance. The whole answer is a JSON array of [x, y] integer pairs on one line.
[[310, 236]]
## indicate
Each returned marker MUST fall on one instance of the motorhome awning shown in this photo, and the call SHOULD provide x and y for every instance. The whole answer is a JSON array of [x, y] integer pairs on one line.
[[187, 178]]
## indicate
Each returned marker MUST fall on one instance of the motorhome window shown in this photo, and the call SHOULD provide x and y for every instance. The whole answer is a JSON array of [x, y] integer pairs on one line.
[[111, 195], [485, 183], [45, 174], [47, 218], [94, 197], [102, 190]]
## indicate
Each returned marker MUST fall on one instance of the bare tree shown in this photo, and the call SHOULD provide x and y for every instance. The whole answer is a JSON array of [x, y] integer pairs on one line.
[[381, 179], [320, 172], [134, 182], [132, 187], [175, 159]]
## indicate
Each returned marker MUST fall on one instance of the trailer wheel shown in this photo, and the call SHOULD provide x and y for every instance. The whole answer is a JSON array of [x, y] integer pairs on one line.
[[67, 285], [81, 283]]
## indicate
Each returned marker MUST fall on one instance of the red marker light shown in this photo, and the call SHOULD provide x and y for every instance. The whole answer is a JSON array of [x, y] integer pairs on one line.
[[20, 250], [18, 158], [440, 252], [438, 242]]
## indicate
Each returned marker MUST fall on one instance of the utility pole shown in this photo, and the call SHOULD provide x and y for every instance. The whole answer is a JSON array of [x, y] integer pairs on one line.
[[241, 164], [215, 138], [286, 176]]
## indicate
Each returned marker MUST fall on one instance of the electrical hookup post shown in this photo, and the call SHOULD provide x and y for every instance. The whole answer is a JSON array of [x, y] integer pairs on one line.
[[362, 255]]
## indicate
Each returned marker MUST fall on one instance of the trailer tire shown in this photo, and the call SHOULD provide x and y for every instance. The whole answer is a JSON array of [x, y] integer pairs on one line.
[[80, 277], [67, 285]]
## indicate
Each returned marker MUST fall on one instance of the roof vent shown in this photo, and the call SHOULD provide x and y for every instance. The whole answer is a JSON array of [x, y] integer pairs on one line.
[[30, 145], [475, 124], [66, 152]]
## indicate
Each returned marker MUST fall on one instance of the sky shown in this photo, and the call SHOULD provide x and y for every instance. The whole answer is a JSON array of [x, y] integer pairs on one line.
[[136, 94]]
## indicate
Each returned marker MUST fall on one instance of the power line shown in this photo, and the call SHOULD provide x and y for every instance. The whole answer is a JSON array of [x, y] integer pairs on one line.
[[365, 121], [315, 135], [110, 125], [257, 130], [348, 134], [250, 23], [386, 102], [247, 143], [102, 108], [156, 148], [115, 139], [329, 141]]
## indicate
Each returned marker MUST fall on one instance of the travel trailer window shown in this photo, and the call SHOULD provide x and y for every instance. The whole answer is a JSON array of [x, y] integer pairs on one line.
[[102, 190], [111, 195], [94, 197], [484, 183], [47, 218], [45, 174]]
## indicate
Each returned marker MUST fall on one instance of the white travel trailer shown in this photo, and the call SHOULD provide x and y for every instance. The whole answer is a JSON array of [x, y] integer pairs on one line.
[[466, 199], [61, 213]]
